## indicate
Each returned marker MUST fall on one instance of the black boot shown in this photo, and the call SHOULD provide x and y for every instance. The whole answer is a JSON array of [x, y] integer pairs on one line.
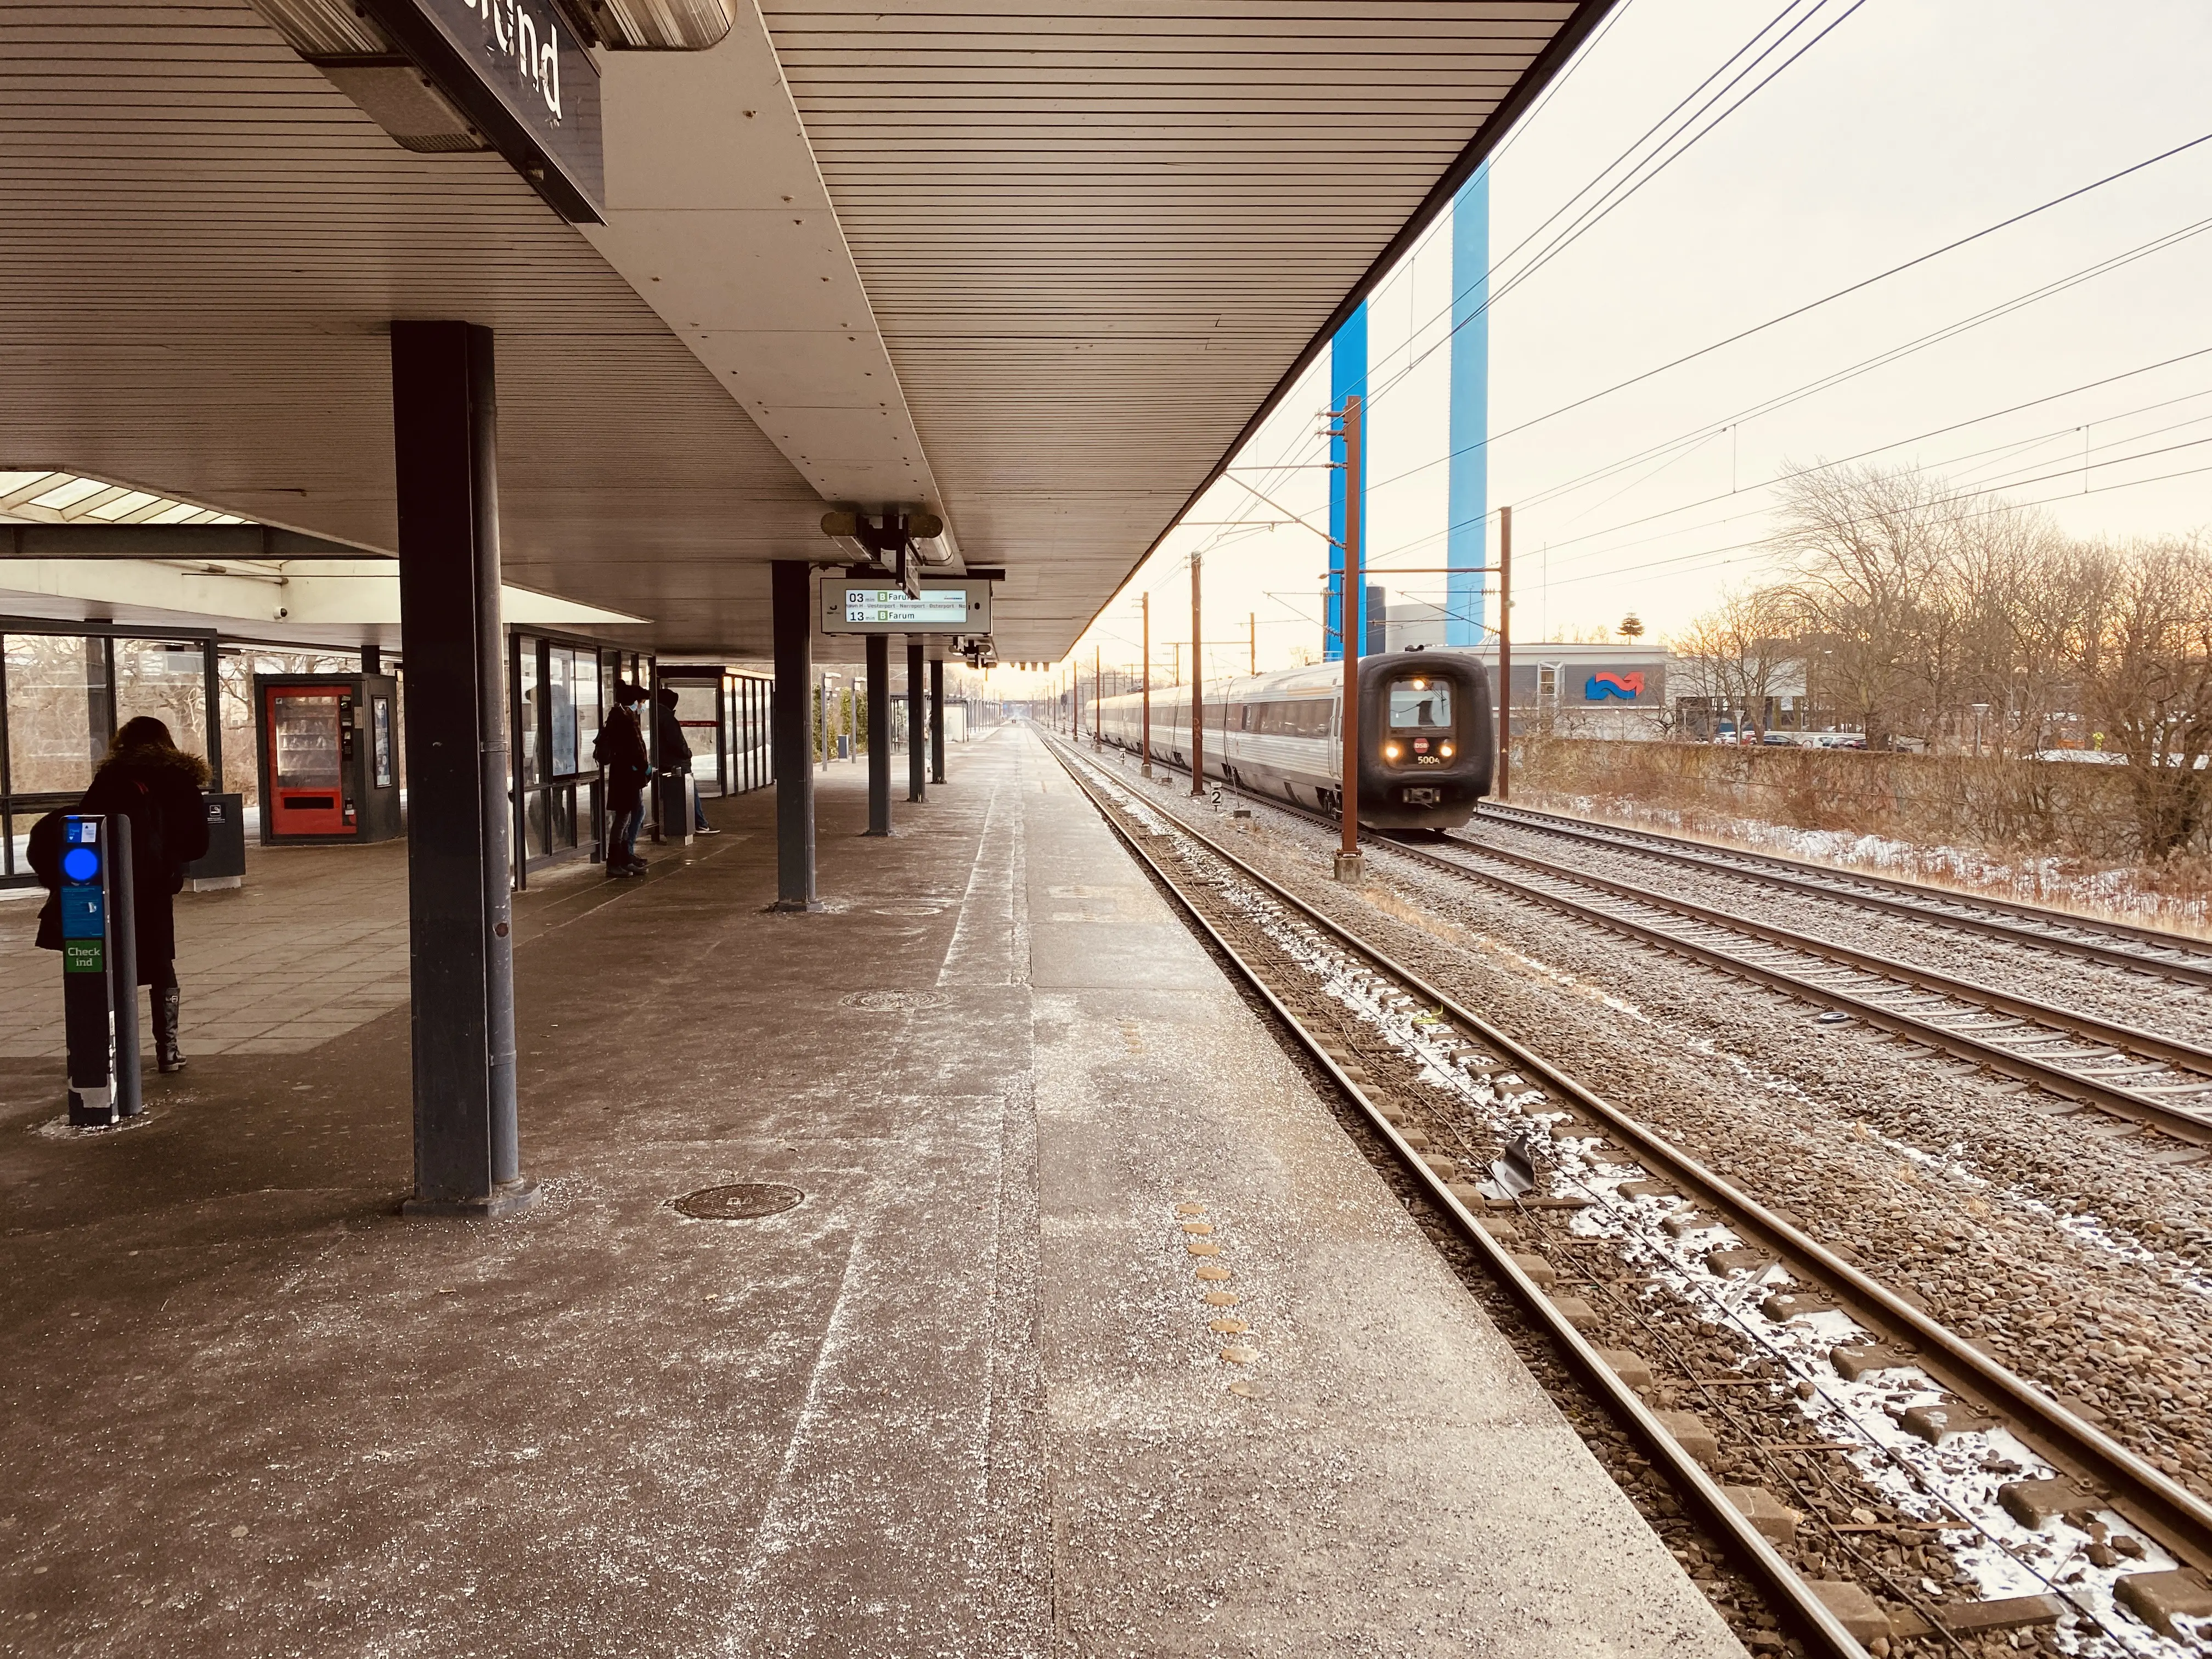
[[168, 1001]]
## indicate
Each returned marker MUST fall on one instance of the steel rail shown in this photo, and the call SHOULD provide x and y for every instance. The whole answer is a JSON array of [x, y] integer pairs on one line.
[[2180, 1520], [1785, 1589], [2191, 963], [2194, 1129], [2171, 1051]]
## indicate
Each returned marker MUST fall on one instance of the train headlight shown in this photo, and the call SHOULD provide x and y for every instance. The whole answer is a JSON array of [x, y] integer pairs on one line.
[[1445, 749], [1389, 752]]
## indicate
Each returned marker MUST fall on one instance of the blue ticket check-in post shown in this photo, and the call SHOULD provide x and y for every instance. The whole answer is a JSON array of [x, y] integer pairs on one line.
[[100, 971]]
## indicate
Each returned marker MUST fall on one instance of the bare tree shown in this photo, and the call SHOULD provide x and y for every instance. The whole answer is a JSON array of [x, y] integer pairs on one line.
[[1862, 545], [2146, 681], [1736, 654]]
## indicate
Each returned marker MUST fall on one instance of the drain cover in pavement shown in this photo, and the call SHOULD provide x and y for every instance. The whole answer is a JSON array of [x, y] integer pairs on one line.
[[883, 1002], [746, 1201]]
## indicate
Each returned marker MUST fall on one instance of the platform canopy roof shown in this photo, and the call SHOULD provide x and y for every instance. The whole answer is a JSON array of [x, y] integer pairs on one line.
[[1034, 267]]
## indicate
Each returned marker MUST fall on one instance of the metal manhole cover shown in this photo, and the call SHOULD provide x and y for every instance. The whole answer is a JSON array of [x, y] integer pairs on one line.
[[746, 1201], [884, 1002]]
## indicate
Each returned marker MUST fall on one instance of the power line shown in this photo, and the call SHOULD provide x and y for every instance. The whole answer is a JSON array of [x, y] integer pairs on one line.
[[1854, 288], [1406, 264], [1589, 220], [1860, 455], [1826, 382], [2064, 472]]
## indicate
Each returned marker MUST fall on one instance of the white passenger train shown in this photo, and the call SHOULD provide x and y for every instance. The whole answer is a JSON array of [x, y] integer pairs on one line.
[[1425, 735]]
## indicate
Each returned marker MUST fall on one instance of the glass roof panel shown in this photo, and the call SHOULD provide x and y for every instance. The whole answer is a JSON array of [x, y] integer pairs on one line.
[[68, 497]]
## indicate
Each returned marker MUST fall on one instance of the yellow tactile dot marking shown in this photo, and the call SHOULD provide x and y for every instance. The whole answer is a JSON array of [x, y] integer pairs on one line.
[[1203, 1247], [1209, 1270], [1221, 1299], [1240, 1355], [1198, 1226], [1230, 1327]]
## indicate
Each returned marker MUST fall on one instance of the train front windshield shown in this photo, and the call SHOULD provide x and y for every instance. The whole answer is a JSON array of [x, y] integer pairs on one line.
[[1420, 705]]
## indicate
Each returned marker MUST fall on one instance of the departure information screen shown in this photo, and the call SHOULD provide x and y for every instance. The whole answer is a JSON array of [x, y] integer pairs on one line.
[[869, 604], [889, 606]]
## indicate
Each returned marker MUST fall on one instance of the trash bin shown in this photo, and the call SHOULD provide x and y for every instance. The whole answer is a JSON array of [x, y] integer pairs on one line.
[[224, 863], [679, 790]]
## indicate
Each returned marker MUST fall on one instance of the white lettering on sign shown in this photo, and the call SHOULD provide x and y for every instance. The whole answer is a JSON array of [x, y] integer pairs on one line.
[[515, 32]]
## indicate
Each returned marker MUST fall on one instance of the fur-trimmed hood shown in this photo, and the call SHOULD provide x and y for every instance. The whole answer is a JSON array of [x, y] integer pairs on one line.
[[151, 757]]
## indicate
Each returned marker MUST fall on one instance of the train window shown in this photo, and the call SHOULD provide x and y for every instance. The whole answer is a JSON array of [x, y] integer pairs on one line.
[[1420, 703]]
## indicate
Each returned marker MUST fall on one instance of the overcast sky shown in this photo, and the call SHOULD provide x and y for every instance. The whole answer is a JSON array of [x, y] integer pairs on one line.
[[1914, 123]]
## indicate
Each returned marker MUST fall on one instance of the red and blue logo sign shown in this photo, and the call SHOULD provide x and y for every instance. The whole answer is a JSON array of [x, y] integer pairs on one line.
[[1606, 684]]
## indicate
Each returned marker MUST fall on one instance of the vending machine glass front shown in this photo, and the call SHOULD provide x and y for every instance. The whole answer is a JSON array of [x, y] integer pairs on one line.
[[306, 761]]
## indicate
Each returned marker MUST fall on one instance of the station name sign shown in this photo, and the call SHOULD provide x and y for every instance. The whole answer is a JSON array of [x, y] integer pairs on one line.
[[518, 71], [865, 605]]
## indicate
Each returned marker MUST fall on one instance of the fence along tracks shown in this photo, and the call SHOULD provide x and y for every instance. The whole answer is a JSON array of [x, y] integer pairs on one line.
[[2116, 944], [1647, 1205]]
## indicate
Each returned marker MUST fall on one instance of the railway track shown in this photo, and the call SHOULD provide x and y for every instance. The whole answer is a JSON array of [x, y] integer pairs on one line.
[[1841, 1439], [2140, 1077], [2115, 943], [2135, 1074]]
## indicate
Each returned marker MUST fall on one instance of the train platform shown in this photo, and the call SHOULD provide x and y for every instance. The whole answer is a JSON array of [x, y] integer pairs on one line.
[[963, 1396]]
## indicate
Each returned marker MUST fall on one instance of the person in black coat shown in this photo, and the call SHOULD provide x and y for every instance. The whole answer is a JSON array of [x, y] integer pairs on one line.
[[676, 754], [148, 779], [620, 750]]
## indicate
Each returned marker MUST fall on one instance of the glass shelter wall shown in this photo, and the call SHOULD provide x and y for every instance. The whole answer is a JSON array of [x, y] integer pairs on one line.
[[64, 688], [559, 691]]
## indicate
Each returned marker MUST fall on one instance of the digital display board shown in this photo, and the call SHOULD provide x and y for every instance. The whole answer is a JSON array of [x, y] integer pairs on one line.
[[858, 605], [935, 608]]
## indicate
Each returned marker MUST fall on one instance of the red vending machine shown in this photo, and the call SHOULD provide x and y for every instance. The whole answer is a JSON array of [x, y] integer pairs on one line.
[[330, 759]]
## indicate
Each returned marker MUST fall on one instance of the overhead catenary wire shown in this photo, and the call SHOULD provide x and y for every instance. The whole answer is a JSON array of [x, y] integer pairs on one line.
[[1764, 543], [1672, 450], [1556, 542]]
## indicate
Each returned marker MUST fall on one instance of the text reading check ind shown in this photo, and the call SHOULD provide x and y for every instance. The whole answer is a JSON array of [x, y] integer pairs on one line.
[[891, 604]]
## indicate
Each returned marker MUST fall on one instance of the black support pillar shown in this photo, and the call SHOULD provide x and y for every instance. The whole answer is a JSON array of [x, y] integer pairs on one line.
[[880, 734], [917, 771], [937, 720], [791, 608], [461, 958]]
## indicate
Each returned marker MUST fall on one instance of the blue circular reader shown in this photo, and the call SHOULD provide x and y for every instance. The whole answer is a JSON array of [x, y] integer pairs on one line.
[[80, 864]]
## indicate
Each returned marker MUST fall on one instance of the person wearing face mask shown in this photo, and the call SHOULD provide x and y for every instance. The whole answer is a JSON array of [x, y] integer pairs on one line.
[[620, 750]]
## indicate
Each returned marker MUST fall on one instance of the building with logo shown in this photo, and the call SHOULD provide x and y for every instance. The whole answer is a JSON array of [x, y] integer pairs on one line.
[[1611, 691]]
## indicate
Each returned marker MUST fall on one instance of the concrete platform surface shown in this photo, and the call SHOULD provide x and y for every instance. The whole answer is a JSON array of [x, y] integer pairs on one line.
[[962, 1399]]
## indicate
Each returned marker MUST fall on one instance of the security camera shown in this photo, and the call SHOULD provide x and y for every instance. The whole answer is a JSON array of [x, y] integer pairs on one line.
[[282, 612]]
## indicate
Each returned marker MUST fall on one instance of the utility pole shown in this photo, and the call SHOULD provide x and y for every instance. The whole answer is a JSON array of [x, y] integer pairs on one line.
[[1174, 662], [1348, 864], [1146, 736], [1097, 693], [1197, 688], [1504, 780], [1252, 622]]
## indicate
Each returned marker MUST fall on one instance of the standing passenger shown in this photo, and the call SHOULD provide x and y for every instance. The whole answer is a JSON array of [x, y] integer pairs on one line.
[[676, 755], [148, 779], [620, 750]]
